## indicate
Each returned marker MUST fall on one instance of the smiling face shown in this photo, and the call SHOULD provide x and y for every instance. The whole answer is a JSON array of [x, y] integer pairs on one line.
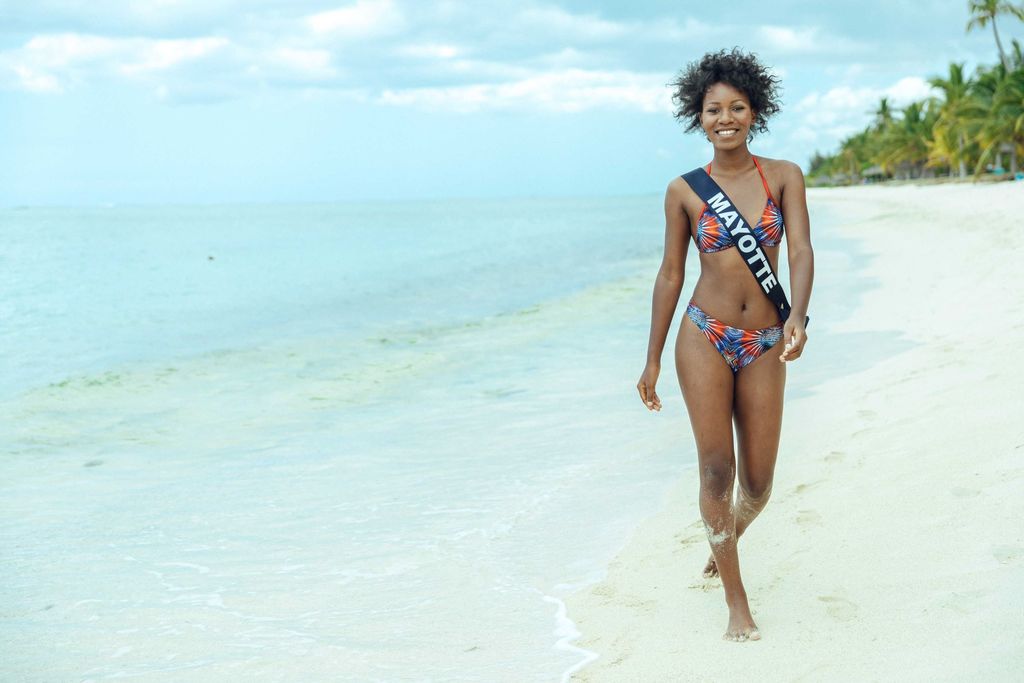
[[726, 116]]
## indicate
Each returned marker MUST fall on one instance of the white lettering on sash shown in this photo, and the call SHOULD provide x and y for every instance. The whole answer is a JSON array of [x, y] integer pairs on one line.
[[764, 276], [719, 203], [747, 243]]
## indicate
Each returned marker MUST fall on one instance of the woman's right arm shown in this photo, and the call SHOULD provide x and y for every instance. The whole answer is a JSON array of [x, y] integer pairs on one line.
[[667, 287]]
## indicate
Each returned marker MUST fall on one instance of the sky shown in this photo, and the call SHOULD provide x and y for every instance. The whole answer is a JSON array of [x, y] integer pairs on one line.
[[225, 101]]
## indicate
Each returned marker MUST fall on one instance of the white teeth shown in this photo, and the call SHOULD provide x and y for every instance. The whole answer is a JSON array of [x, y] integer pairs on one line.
[[727, 133]]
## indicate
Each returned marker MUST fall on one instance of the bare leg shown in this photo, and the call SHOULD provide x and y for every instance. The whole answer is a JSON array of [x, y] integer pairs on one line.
[[746, 510], [707, 384], [758, 406]]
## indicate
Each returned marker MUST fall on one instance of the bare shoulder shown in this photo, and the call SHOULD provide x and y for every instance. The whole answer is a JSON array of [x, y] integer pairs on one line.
[[681, 195], [782, 168], [678, 188]]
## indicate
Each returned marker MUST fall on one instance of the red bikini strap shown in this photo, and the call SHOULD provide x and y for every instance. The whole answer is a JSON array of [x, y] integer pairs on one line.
[[764, 181]]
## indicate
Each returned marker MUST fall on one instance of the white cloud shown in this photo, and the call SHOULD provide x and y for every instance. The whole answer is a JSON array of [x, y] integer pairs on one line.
[[209, 67], [479, 55], [787, 39], [314, 64], [825, 118], [430, 51], [35, 81], [364, 19], [50, 63], [479, 69], [569, 90], [845, 102], [579, 26], [564, 58], [454, 55], [62, 49], [159, 55], [838, 102], [804, 40], [909, 89], [553, 23]]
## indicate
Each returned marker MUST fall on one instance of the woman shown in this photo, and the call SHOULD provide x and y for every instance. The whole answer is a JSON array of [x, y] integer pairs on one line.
[[732, 348]]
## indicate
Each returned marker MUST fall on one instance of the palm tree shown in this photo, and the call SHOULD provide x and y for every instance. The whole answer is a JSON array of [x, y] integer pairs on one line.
[[869, 142], [955, 111], [820, 164], [984, 12], [883, 115], [853, 154], [1007, 120], [996, 115], [1016, 55], [905, 142]]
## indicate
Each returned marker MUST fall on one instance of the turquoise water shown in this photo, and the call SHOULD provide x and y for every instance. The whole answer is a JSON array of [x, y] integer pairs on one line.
[[342, 442]]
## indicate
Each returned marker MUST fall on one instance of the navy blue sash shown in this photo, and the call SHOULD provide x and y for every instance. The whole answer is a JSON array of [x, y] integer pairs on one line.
[[725, 211]]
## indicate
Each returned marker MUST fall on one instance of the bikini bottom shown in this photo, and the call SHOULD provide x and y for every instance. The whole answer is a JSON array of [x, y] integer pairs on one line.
[[739, 347]]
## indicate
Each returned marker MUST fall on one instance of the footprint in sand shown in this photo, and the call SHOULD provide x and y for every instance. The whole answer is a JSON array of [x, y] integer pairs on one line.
[[705, 586], [838, 608], [867, 414], [834, 456], [642, 606], [689, 540], [962, 602], [785, 568], [619, 645], [961, 492], [1005, 554], [804, 488], [807, 517]]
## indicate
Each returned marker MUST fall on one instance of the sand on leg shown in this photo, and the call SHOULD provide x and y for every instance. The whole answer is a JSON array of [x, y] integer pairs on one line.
[[707, 384], [758, 401]]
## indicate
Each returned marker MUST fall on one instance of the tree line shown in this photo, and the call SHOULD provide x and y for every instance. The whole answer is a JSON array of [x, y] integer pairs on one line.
[[973, 125]]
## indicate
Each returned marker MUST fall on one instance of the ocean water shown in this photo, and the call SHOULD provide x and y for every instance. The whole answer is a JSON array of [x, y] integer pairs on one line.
[[353, 442]]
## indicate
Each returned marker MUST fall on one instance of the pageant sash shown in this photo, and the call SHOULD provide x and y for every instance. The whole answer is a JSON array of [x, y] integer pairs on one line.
[[725, 211]]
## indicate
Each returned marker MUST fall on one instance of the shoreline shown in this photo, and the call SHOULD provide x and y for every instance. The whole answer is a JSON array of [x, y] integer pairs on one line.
[[825, 585]]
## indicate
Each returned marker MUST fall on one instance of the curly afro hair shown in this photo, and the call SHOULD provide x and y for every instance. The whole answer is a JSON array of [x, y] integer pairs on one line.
[[738, 69]]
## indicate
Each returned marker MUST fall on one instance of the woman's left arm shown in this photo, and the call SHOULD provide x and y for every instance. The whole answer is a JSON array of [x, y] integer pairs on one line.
[[801, 258]]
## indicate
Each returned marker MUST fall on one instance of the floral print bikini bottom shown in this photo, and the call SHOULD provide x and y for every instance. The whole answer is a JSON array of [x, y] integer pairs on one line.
[[739, 347]]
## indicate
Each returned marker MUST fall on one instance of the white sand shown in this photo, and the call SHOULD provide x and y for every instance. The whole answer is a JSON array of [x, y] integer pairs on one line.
[[893, 545]]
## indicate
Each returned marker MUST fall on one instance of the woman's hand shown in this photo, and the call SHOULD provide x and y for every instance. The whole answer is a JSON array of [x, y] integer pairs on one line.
[[645, 386], [796, 336]]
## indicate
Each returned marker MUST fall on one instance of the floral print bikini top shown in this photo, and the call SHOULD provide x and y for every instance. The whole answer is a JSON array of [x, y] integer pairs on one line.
[[712, 235]]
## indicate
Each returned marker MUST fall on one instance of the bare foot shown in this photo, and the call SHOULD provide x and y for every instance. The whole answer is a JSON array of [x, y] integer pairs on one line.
[[711, 569], [741, 625]]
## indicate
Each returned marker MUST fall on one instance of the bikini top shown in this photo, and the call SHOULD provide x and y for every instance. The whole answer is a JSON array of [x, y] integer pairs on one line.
[[712, 235]]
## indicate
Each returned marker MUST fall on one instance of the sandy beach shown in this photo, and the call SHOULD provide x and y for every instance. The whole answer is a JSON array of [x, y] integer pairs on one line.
[[893, 545]]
